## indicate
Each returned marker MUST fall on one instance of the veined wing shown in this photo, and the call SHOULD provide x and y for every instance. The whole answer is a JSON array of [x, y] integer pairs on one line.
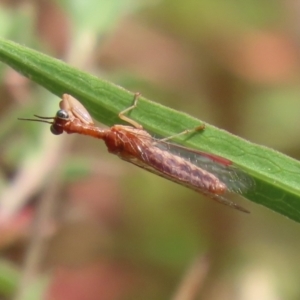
[[163, 172], [235, 179]]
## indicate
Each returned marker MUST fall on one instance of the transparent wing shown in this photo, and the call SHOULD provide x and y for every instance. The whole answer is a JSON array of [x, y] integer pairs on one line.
[[175, 163], [235, 179]]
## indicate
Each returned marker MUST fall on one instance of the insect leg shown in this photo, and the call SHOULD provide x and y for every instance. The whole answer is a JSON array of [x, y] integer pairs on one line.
[[197, 128], [133, 106]]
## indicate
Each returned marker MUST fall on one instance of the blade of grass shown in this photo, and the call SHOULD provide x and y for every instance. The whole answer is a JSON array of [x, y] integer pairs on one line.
[[277, 176]]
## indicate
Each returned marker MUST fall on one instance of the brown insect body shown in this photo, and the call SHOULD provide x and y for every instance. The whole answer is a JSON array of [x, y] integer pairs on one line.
[[208, 174], [139, 148]]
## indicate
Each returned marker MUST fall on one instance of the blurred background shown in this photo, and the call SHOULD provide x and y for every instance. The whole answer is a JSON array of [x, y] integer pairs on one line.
[[82, 224]]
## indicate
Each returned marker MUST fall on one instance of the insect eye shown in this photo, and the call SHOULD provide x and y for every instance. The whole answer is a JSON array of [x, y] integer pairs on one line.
[[56, 130], [62, 114]]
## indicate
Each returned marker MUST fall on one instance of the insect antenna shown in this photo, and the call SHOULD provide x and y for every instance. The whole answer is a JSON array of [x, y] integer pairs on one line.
[[45, 118], [40, 119]]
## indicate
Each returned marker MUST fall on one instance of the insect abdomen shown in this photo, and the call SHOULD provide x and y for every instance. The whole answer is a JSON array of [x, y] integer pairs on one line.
[[182, 170]]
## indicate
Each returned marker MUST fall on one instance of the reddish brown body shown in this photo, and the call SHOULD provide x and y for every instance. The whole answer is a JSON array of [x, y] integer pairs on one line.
[[138, 147], [210, 175]]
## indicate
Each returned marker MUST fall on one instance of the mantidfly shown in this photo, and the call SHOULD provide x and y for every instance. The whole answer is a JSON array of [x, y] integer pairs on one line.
[[206, 173]]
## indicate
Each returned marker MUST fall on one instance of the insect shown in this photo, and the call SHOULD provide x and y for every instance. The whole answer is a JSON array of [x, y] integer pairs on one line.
[[208, 174]]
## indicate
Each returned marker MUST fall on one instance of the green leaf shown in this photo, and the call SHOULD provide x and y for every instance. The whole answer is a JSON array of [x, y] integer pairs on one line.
[[277, 176]]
